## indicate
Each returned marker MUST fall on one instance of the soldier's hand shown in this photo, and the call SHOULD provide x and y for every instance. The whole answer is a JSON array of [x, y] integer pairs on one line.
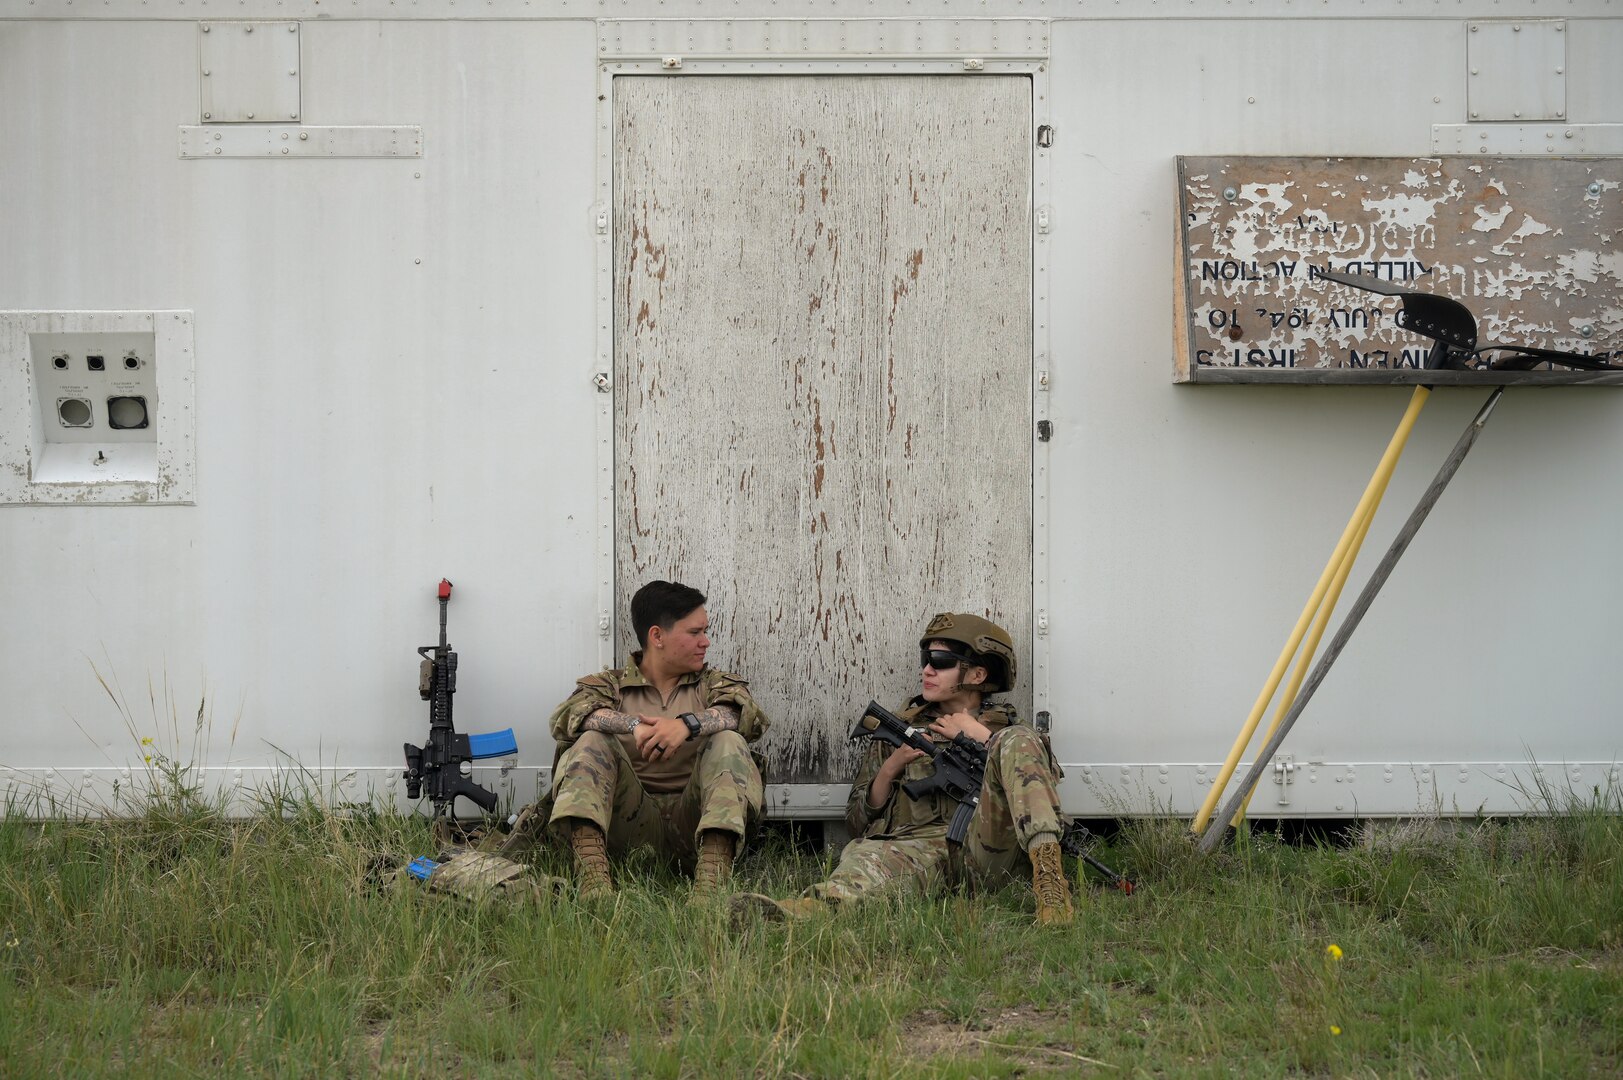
[[891, 768], [659, 736], [899, 759], [961, 723]]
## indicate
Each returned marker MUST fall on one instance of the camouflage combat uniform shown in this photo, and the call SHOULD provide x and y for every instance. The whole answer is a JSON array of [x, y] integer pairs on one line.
[[710, 782], [902, 846]]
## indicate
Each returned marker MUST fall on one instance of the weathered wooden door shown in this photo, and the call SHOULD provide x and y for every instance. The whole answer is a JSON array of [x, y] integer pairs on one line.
[[823, 376]]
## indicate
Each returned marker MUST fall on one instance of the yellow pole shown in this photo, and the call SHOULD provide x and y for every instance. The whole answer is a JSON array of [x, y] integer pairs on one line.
[[1319, 623], [1364, 510]]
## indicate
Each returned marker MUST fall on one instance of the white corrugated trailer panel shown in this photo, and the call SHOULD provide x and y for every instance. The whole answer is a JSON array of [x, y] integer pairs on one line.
[[393, 382]]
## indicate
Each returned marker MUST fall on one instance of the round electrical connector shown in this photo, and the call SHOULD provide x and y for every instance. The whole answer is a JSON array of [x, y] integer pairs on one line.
[[60, 362], [132, 362]]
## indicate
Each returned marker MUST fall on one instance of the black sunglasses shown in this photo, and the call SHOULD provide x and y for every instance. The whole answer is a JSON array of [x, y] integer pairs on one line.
[[941, 660]]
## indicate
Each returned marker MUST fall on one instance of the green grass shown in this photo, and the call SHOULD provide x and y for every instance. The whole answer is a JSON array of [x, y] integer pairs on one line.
[[182, 943]]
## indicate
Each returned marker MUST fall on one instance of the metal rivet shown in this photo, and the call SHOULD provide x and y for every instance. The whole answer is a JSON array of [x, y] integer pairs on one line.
[[1230, 194], [1473, 71], [205, 73], [284, 149], [284, 136], [248, 29], [219, 150], [1594, 189], [294, 29], [1474, 115], [1560, 71], [207, 115], [304, 134], [205, 29], [419, 262], [1586, 330]]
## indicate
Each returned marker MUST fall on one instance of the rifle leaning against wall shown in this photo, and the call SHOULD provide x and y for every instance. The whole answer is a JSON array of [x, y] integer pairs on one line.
[[960, 769], [444, 764]]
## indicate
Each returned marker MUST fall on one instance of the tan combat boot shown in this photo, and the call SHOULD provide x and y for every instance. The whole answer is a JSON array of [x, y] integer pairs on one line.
[[592, 880], [746, 908], [715, 866], [1048, 882]]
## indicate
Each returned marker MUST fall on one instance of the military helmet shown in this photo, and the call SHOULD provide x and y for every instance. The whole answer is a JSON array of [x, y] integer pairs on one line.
[[988, 644]]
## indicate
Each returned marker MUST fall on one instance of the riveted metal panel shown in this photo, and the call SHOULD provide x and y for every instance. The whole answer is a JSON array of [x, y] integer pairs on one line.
[[1517, 69], [965, 10], [299, 141], [823, 374], [679, 39], [248, 71], [1541, 139]]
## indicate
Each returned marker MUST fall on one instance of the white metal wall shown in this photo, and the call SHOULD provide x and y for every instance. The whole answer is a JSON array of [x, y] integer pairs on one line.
[[393, 382]]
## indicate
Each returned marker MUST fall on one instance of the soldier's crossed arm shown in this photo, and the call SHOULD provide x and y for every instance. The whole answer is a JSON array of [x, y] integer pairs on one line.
[[610, 722], [718, 718]]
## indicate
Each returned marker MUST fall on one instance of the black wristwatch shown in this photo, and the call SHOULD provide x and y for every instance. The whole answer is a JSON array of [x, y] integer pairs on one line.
[[692, 721]]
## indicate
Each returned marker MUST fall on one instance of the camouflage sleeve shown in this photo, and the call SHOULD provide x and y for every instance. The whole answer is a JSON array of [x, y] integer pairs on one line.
[[591, 694], [858, 814], [725, 688]]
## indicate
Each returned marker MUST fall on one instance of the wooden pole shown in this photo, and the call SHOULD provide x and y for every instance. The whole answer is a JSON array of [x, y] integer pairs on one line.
[[1219, 824]]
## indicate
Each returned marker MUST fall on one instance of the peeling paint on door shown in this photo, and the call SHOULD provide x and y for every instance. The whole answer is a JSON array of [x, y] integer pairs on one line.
[[823, 375]]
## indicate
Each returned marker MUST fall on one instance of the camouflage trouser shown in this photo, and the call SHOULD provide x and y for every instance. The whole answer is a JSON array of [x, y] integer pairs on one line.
[[595, 781], [1019, 805]]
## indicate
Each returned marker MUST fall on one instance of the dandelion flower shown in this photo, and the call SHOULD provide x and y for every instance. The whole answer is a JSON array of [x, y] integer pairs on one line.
[[147, 741], [1334, 951], [147, 759], [1334, 1030]]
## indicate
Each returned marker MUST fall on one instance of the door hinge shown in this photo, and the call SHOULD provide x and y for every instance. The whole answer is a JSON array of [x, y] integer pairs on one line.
[[1045, 135]]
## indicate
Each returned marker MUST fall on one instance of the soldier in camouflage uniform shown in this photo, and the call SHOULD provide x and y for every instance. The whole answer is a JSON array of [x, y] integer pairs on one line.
[[656, 753], [901, 843]]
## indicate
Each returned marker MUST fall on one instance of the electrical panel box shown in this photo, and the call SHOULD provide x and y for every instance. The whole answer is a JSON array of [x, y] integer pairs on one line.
[[96, 397], [96, 407]]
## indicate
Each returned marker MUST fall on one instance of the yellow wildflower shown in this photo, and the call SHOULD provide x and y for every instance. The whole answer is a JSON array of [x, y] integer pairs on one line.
[[1334, 951], [147, 741], [1334, 1030]]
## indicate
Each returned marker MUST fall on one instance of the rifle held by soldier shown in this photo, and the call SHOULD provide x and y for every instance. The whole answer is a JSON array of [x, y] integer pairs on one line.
[[960, 765]]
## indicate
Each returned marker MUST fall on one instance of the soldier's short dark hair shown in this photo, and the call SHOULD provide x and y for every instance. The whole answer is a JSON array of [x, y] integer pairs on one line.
[[662, 604]]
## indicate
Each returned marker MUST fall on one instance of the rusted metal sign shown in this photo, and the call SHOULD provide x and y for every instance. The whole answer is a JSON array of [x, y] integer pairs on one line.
[[1533, 246]]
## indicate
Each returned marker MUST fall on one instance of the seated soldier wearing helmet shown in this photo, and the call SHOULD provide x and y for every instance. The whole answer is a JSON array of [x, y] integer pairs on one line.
[[901, 842]]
